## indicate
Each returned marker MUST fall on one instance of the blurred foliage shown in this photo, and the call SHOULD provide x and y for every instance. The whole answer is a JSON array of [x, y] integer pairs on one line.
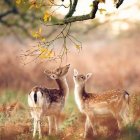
[[19, 15]]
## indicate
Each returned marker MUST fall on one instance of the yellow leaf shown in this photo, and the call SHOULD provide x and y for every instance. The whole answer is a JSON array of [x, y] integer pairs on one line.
[[43, 39], [47, 17], [102, 1], [102, 10], [31, 6], [45, 52], [34, 4], [40, 30], [51, 54], [91, 5], [45, 55], [37, 34], [78, 47], [41, 49], [18, 2]]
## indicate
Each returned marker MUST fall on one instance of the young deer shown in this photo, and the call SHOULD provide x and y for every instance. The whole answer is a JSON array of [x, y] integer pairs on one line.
[[49, 102], [110, 102]]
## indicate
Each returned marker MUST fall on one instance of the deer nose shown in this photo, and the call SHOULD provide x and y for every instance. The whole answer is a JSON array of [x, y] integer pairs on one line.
[[53, 76]]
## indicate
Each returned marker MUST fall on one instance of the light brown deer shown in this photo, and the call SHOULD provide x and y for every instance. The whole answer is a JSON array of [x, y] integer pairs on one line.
[[93, 104], [49, 102]]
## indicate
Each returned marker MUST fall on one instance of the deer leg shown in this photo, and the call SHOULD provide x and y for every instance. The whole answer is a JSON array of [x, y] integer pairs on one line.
[[39, 129], [56, 118], [35, 127], [119, 121], [50, 124], [87, 125], [91, 119], [126, 115], [118, 118]]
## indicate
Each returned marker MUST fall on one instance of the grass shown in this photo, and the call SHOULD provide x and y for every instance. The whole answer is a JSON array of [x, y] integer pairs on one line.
[[130, 133], [71, 128], [9, 96], [70, 104]]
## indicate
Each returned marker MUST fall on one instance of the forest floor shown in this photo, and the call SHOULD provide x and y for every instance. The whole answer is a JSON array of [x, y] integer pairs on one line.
[[16, 123]]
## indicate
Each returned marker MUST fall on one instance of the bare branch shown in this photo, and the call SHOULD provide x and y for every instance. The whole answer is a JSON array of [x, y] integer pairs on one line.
[[119, 3], [6, 13], [64, 33], [91, 15], [72, 8], [54, 4], [12, 11]]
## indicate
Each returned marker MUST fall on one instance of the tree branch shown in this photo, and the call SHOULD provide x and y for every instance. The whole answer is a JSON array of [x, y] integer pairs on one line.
[[72, 9], [12, 11], [119, 3], [91, 15], [6, 13]]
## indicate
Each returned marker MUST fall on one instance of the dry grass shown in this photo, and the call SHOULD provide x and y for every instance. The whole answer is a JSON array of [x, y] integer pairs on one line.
[[19, 124], [9, 109]]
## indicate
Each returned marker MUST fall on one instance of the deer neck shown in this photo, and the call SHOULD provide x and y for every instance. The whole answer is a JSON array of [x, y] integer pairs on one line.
[[63, 85], [79, 93], [80, 90]]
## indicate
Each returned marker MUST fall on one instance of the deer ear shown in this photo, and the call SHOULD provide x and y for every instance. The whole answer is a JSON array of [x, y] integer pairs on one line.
[[88, 76], [68, 65], [75, 72]]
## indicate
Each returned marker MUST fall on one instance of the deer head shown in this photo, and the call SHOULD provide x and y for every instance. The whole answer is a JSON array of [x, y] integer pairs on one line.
[[80, 79], [57, 73]]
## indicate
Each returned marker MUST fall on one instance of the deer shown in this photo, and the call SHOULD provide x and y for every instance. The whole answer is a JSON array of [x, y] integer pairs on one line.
[[48, 102], [115, 102]]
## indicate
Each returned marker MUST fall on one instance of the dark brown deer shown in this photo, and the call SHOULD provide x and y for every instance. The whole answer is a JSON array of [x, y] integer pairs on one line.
[[49, 102]]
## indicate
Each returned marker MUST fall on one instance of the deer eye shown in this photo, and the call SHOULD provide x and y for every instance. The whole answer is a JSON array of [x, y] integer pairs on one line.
[[82, 77], [58, 70]]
